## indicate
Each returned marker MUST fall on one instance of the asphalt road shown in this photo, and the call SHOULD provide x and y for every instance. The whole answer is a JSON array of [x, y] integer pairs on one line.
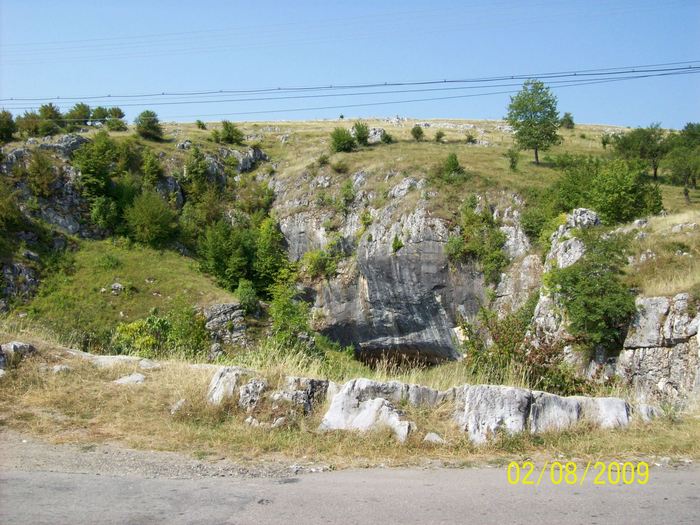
[[42, 482], [476, 495]]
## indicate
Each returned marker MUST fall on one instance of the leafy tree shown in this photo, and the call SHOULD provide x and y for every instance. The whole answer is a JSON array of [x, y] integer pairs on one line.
[[648, 144], [417, 133], [684, 164], [567, 121], [620, 192], [115, 113], [78, 115], [361, 133], [247, 296], [200, 124], [41, 174], [439, 135], [270, 254], [151, 168], [150, 219], [342, 140], [50, 112], [95, 161], [99, 115], [227, 252], [196, 173], [533, 115], [7, 126], [148, 126], [290, 315]]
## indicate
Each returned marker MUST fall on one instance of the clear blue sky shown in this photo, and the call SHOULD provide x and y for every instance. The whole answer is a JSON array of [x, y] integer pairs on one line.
[[80, 48]]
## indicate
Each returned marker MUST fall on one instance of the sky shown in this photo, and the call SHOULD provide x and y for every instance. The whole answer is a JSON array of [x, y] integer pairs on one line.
[[134, 47]]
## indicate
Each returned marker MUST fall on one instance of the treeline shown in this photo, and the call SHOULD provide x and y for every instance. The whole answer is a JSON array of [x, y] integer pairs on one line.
[[48, 120]]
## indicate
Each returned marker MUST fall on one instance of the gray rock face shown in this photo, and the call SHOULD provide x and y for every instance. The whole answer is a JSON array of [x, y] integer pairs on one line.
[[170, 189], [403, 304], [550, 412], [522, 278], [250, 393], [661, 353], [302, 391], [65, 145], [11, 158], [248, 160], [226, 323], [19, 281]]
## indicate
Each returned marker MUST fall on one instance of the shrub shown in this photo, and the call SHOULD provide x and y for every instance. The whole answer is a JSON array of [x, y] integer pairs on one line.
[[451, 166], [318, 263], [567, 121], [396, 244], [148, 126], [480, 239], [439, 135], [620, 192], [342, 140], [513, 155], [28, 123], [99, 115], [230, 133], [605, 140], [247, 296], [387, 138], [289, 314], [361, 133], [116, 124], [151, 168], [78, 115], [200, 124], [7, 126], [104, 212], [596, 300], [417, 133], [270, 254], [365, 219], [52, 117], [323, 160], [471, 139], [227, 253], [95, 160], [150, 219], [340, 166], [347, 195], [41, 174]]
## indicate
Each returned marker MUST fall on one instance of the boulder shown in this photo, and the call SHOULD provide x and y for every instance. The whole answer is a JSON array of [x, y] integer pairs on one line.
[[223, 384], [433, 438], [550, 412], [13, 352], [302, 391], [250, 393], [357, 407], [132, 379], [484, 410]]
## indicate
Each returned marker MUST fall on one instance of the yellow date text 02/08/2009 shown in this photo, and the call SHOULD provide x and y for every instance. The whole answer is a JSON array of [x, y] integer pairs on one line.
[[571, 473]]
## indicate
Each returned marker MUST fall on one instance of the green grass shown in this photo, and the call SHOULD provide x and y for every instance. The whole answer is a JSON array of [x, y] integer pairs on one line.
[[72, 302]]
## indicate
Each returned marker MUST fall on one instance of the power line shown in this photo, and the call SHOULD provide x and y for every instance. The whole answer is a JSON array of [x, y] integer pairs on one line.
[[542, 76], [428, 99]]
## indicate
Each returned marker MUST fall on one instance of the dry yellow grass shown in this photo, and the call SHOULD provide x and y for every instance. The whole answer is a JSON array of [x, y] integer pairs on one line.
[[84, 406]]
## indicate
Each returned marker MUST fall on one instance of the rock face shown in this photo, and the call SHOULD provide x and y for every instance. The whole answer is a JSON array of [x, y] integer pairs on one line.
[[248, 160], [19, 281], [402, 303], [226, 323], [65, 145], [549, 324], [661, 353]]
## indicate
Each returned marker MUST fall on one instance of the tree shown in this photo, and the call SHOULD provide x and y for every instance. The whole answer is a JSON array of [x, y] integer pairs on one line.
[[361, 133], [684, 165], [41, 174], [151, 168], [270, 255], [116, 112], [99, 115], [648, 144], [533, 115], [51, 112], [148, 126], [567, 121], [28, 123], [342, 140], [78, 115], [95, 161], [196, 170], [7, 126], [229, 134], [150, 219], [417, 133]]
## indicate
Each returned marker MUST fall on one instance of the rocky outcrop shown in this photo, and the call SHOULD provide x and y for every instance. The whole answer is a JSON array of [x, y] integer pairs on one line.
[[661, 353], [226, 323], [18, 281], [13, 352], [549, 324], [65, 145], [224, 384], [246, 160], [481, 411]]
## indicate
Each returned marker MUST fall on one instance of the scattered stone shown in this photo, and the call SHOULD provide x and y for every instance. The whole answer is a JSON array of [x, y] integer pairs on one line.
[[186, 144], [432, 437], [60, 369], [132, 379], [177, 406], [278, 422], [684, 227], [117, 288]]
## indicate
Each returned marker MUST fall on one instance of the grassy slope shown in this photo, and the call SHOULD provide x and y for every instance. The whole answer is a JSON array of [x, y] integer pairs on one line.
[[72, 299]]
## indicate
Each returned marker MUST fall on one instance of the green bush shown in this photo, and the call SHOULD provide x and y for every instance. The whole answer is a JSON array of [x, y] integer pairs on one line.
[[387, 138], [148, 126], [417, 133], [116, 124], [451, 167], [247, 296], [200, 124], [340, 166], [270, 254], [104, 212], [95, 160], [342, 140], [599, 305], [513, 155], [471, 139], [227, 253], [230, 134], [439, 135], [7, 126], [150, 220], [151, 168], [361, 133], [41, 174], [99, 115], [621, 192], [396, 244], [480, 239], [289, 314], [318, 263], [567, 121]]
